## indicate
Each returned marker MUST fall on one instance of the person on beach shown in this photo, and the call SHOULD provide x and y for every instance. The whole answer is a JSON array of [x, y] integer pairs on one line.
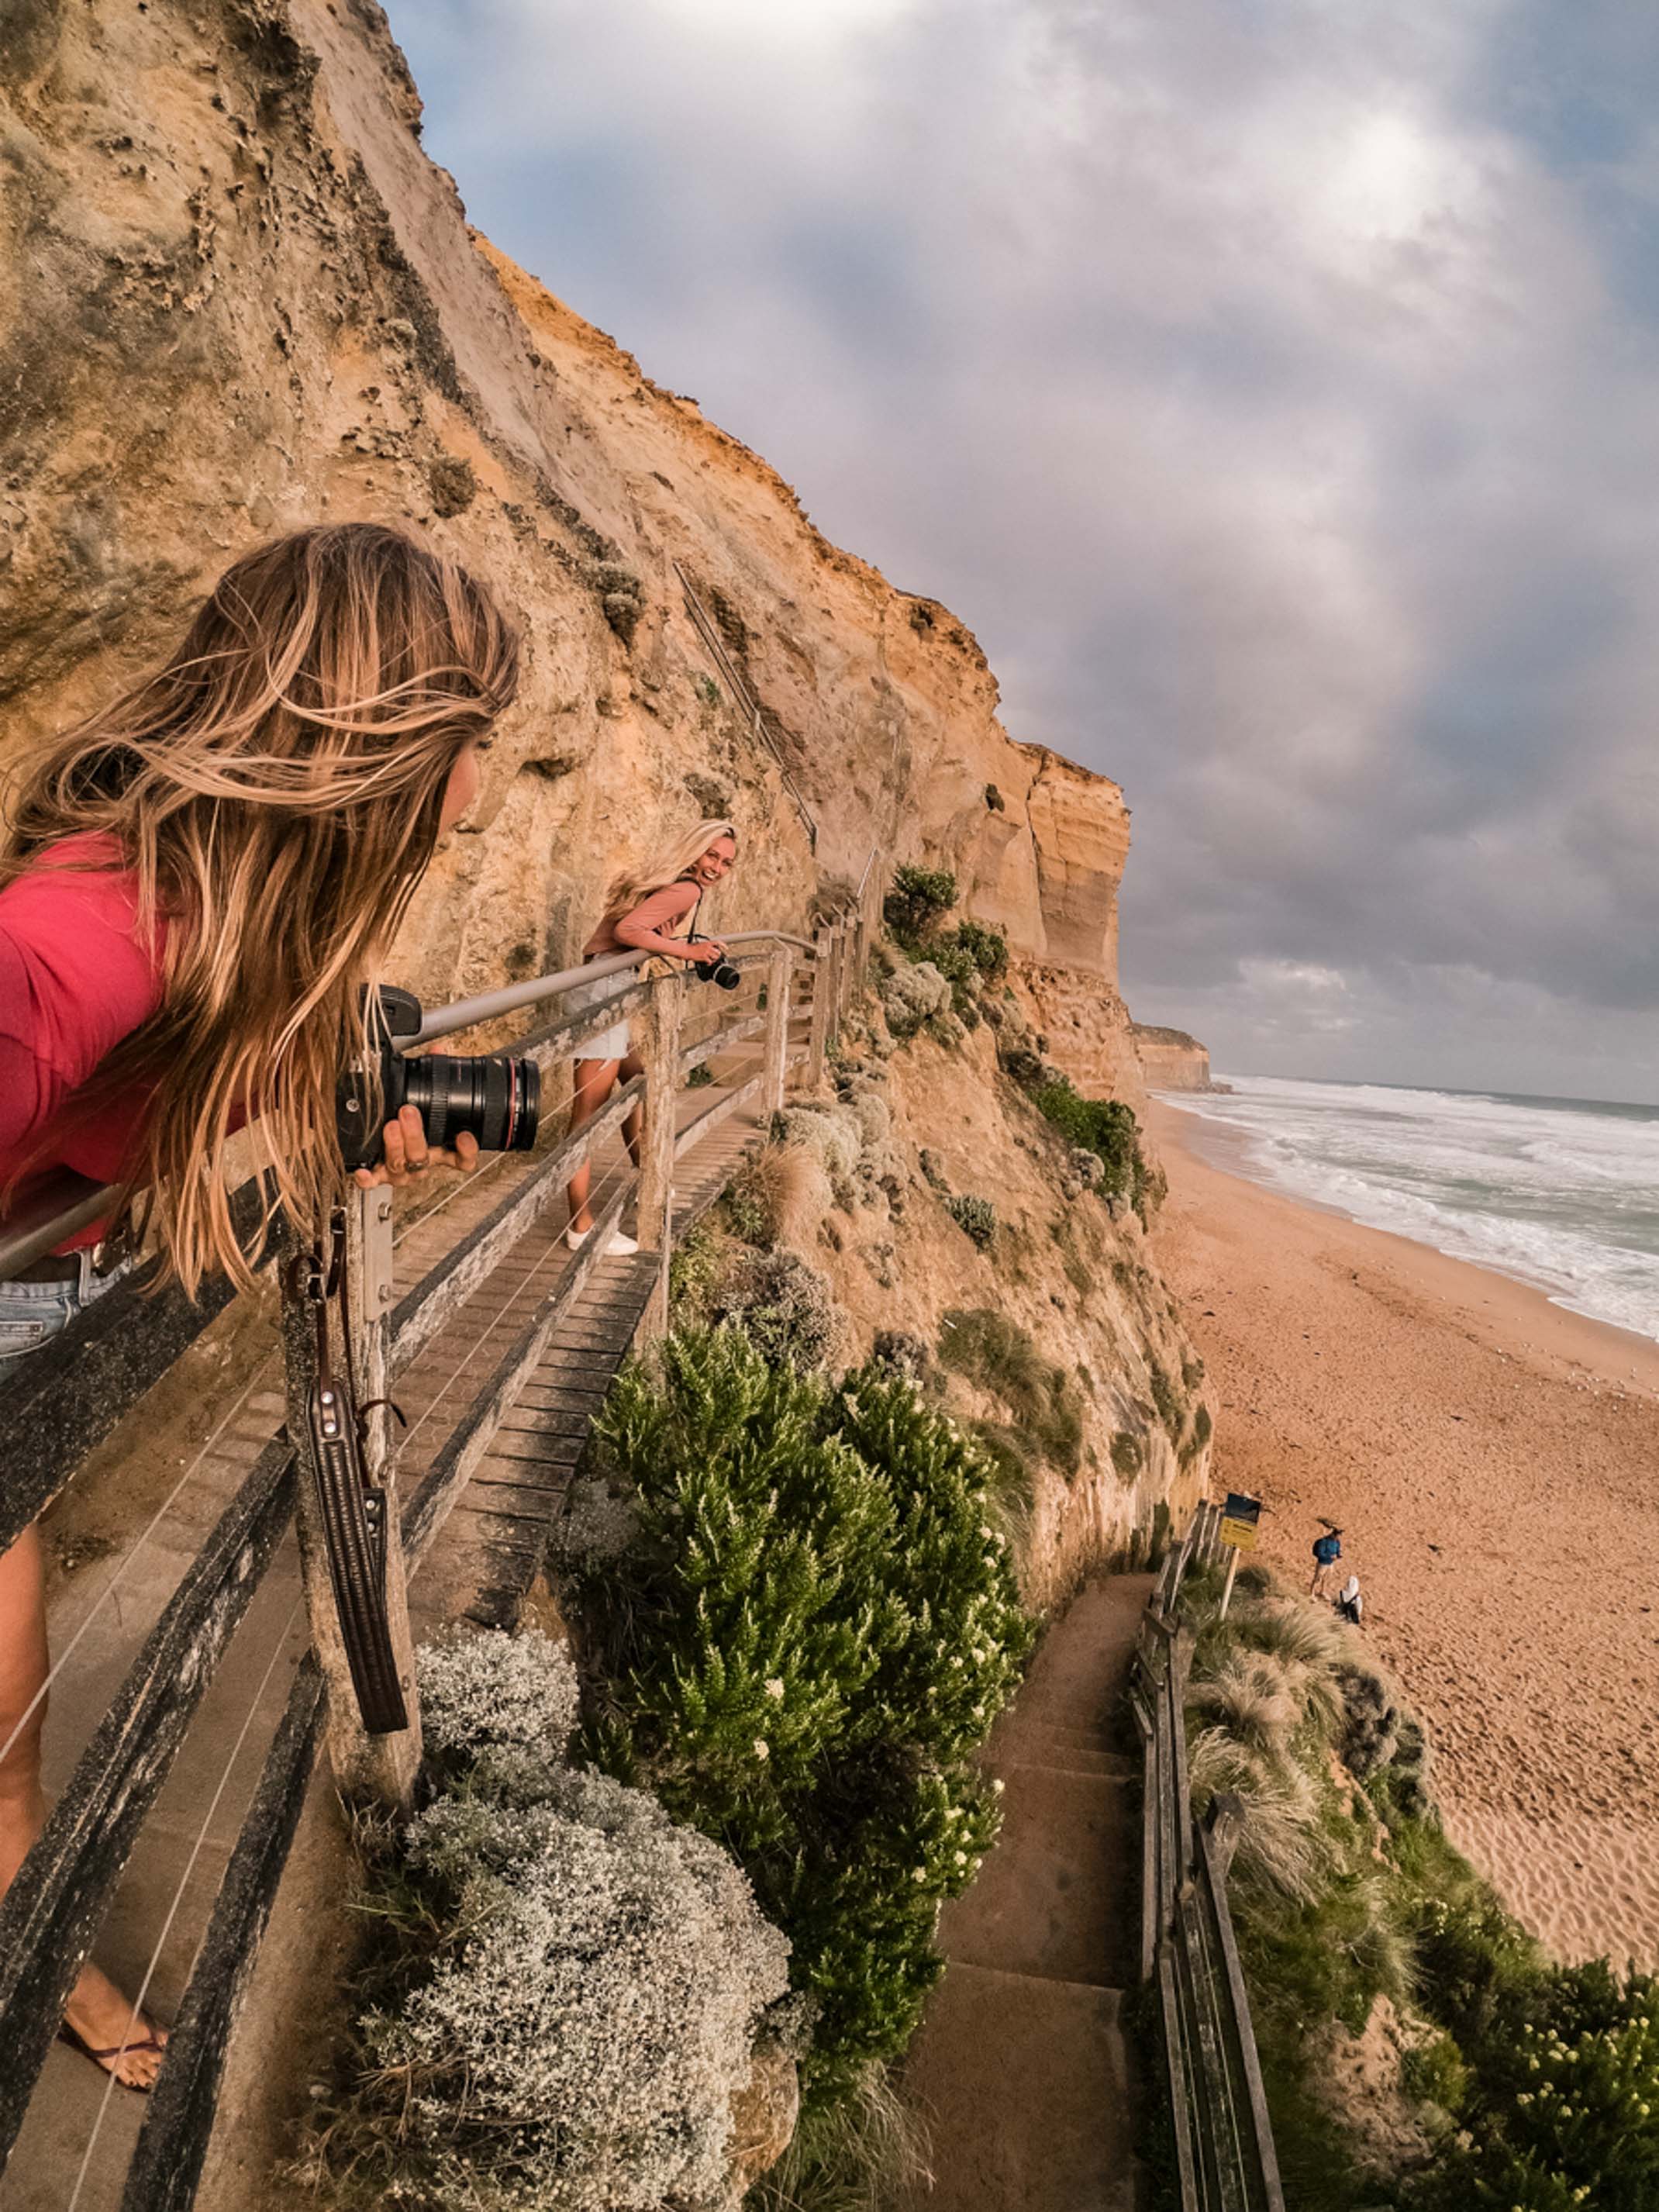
[[650, 911], [195, 886], [1349, 1603], [1327, 1550]]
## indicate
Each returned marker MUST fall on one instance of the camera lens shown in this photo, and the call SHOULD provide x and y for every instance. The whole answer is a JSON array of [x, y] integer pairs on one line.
[[490, 1097], [724, 974]]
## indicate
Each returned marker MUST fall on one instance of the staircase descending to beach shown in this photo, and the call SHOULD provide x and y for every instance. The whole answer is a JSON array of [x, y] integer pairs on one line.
[[1022, 2065]]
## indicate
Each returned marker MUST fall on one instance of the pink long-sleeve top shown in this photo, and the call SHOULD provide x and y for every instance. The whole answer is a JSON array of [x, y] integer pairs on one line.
[[659, 915], [76, 976]]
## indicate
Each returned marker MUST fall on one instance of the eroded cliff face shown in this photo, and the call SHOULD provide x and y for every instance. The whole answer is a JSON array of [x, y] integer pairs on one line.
[[1171, 1060], [241, 298]]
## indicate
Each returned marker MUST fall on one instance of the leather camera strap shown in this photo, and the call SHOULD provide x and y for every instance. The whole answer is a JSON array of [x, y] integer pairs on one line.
[[353, 1505]]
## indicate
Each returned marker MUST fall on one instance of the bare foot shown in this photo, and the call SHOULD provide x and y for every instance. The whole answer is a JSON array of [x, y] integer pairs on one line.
[[104, 2020]]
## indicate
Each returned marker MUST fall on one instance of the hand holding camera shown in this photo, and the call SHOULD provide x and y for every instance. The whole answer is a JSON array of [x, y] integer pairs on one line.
[[707, 954], [402, 1116]]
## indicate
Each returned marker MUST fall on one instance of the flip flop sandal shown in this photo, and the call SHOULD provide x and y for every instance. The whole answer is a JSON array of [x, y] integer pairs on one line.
[[117, 2051]]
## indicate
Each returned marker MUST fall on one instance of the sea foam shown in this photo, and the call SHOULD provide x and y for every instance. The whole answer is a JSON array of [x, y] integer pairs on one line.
[[1562, 1194]]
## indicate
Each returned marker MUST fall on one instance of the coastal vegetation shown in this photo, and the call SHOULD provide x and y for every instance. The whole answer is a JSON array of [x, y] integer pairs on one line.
[[798, 1619], [560, 1991], [1478, 2072], [811, 1628]]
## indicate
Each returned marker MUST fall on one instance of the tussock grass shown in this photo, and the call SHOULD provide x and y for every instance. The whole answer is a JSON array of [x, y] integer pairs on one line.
[[868, 2153], [1279, 1846], [1252, 1697]]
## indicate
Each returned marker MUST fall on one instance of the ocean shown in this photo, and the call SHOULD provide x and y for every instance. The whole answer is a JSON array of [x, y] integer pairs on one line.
[[1561, 1192]]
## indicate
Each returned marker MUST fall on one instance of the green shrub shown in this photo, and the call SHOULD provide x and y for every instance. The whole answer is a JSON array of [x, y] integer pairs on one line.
[[809, 1638], [1167, 1399], [918, 896], [1127, 1454], [699, 1260], [986, 947], [976, 1217], [997, 1354], [1561, 2113], [1434, 2074], [1105, 1126]]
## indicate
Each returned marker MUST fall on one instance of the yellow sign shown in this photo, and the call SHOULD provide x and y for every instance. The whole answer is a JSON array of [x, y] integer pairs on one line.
[[1239, 1518]]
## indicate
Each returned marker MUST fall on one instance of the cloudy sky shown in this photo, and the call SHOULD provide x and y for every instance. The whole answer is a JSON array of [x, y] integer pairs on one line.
[[1272, 385]]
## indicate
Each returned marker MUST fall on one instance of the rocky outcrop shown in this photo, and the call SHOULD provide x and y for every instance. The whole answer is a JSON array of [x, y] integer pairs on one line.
[[241, 297], [1170, 1059]]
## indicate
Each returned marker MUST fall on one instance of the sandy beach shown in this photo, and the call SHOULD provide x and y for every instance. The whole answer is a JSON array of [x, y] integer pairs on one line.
[[1494, 1461]]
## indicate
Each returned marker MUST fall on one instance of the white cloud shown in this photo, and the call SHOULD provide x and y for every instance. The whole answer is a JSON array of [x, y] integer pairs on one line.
[[1271, 391]]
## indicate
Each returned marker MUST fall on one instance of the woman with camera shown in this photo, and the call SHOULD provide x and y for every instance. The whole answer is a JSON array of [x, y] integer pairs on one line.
[[195, 888], [650, 911]]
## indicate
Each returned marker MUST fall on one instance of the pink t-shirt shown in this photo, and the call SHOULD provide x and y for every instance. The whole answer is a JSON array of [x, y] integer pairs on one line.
[[660, 913], [75, 978]]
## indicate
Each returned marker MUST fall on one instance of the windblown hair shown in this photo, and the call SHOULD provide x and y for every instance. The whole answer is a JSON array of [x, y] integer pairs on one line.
[[277, 786], [666, 866]]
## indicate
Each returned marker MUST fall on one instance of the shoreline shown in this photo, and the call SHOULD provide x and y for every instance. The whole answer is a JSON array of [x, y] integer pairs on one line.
[[1224, 1145], [1489, 1456]]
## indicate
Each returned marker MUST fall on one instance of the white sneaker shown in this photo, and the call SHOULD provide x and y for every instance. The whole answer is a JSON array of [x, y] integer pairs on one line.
[[619, 1245]]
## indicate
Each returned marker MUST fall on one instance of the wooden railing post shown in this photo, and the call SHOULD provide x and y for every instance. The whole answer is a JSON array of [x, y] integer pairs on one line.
[[837, 978], [658, 1044], [819, 1040], [777, 1031], [377, 1768]]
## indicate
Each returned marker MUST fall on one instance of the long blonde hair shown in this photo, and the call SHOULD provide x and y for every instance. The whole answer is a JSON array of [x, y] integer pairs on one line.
[[666, 866], [277, 786]]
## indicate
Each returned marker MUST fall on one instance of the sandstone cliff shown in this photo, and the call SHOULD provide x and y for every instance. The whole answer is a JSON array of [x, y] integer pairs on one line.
[[1170, 1059], [241, 297]]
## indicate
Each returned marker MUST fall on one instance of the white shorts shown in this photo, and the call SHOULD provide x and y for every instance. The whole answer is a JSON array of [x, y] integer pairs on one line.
[[612, 1043]]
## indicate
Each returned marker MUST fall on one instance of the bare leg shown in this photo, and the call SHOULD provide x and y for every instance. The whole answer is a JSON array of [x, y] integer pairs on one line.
[[595, 1081], [97, 2011], [633, 1126]]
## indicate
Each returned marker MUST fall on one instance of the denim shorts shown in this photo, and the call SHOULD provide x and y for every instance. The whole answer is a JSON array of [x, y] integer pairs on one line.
[[31, 1314], [614, 1042]]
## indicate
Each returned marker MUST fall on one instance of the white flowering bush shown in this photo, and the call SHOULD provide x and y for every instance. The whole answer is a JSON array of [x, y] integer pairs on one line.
[[913, 996], [814, 1633], [564, 1989], [493, 1691]]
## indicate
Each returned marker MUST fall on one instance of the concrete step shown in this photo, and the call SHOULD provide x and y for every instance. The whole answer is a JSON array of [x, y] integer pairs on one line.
[[1057, 1897], [1070, 1759], [1025, 2083]]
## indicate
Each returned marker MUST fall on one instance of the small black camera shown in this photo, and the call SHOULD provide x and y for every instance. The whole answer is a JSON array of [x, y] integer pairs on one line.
[[489, 1095], [722, 971]]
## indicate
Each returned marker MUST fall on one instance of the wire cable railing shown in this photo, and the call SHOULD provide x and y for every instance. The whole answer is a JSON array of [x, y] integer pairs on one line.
[[73, 1394]]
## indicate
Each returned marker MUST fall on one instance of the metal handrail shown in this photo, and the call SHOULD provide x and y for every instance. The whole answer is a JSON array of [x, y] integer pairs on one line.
[[466, 1013], [67, 1203]]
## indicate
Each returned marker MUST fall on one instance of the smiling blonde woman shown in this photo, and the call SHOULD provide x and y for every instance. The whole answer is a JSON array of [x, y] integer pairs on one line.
[[650, 910]]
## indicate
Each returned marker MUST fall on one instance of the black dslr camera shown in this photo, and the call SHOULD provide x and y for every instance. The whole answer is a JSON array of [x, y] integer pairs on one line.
[[491, 1096], [720, 971]]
